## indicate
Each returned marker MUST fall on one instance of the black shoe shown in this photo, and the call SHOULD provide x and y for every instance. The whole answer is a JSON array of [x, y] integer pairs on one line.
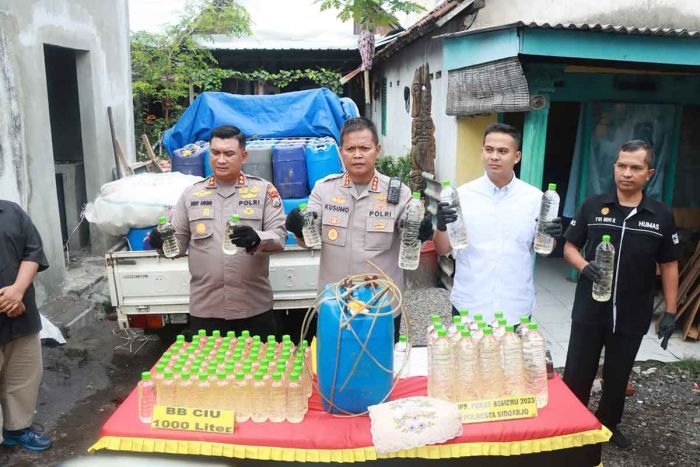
[[619, 440]]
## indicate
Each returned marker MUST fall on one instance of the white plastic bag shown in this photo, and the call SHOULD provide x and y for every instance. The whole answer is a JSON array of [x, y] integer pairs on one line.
[[137, 201]]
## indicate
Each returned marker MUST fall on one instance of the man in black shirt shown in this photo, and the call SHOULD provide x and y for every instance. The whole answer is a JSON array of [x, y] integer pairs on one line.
[[643, 234], [21, 366]]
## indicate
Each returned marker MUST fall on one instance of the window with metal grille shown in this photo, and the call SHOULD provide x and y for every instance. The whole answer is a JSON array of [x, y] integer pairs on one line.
[[383, 98]]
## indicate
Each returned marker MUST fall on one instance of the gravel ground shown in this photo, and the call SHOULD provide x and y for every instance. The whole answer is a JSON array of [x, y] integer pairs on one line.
[[662, 419]]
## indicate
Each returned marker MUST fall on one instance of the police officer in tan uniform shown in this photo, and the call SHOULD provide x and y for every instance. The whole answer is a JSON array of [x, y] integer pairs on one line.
[[359, 223], [229, 292]]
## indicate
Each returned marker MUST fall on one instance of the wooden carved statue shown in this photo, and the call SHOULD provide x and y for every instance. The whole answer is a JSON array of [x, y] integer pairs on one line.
[[422, 128]]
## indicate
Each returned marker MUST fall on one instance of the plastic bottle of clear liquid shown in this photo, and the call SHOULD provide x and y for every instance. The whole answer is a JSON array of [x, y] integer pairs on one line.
[[167, 234], [466, 319], [522, 329], [222, 392], [512, 363], [241, 397], [466, 382], [147, 397], [297, 402], [549, 209], [400, 350], [202, 392], [535, 365], [490, 366], [457, 230], [278, 399], [605, 258], [183, 391], [311, 230], [441, 368], [434, 319], [409, 248], [500, 329], [229, 247], [166, 391], [259, 399], [452, 330]]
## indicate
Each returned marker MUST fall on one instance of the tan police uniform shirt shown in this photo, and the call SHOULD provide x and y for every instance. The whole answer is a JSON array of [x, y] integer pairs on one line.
[[229, 286], [357, 228]]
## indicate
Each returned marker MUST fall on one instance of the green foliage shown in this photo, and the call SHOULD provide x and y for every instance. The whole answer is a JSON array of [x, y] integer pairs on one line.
[[396, 167], [210, 79], [371, 13]]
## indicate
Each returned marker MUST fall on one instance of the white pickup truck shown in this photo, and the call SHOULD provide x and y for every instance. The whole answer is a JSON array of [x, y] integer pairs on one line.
[[153, 292]]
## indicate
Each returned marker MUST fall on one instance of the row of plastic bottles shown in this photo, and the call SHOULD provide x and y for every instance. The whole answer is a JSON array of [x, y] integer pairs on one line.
[[472, 360], [257, 380]]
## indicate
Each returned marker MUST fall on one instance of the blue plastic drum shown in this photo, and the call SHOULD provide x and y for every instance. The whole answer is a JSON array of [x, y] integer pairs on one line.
[[289, 169], [321, 160]]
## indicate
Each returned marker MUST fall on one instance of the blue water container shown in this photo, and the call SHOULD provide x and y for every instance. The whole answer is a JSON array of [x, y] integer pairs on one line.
[[289, 169], [189, 160], [259, 162], [321, 160], [208, 171], [359, 381], [290, 204], [138, 239]]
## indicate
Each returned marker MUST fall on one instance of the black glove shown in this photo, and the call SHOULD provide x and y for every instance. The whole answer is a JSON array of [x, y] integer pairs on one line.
[[244, 236], [445, 215], [593, 273], [295, 222], [666, 328], [425, 232], [155, 239], [553, 227]]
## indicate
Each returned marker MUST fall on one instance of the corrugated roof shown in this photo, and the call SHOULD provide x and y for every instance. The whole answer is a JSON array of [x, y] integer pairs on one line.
[[606, 28]]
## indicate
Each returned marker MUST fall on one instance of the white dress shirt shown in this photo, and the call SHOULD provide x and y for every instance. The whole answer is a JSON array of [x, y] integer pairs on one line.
[[495, 271]]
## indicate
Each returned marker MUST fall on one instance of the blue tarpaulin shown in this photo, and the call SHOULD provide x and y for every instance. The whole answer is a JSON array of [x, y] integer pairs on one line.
[[312, 113]]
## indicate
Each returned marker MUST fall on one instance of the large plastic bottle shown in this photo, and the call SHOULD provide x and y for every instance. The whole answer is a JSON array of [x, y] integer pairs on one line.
[[147, 397], [311, 230], [278, 399], [490, 366], [166, 391], [512, 363], [400, 350], [184, 389], [297, 402], [409, 247], [605, 258], [241, 397], [535, 365], [457, 230], [259, 399], [167, 234], [441, 368], [549, 209], [229, 247], [466, 381]]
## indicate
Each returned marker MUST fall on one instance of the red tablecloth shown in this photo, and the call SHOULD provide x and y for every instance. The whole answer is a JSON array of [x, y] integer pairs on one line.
[[564, 423]]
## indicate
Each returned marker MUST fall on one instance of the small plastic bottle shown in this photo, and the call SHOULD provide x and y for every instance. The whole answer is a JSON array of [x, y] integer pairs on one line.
[[297, 402], [278, 399], [605, 258], [457, 230], [400, 350], [311, 231], [241, 397], [259, 399], [147, 397], [167, 234], [549, 209], [229, 247]]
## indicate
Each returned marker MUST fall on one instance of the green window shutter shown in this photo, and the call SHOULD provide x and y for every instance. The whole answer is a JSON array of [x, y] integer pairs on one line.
[[383, 106]]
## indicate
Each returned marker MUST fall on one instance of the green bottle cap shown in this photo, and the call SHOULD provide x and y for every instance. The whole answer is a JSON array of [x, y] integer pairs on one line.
[[271, 339], [466, 333], [294, 376], [256, 339], [212, 370], [185, 375], [478, 317], [460, 327], [145, 376], [532, 326], [180, 338], [498, 315], [509, 328], [434, 318], [258, 376], [482, 325], [502, 322], [162, 220], [304, 344], [246, 367], [168, 374], [488, 331], [245, 333], [438, 326], [524, 319], [231, 335], [606, 238], [235, 217], [160, 368], [286, 338], [281, 366], [403, 338], [416, 195], [202, 333], [552, 186], [445, 183], [302, 206], [442, 333], [221, 375], [277, 376], [203, 376], [456, 319], [240, 375], [463, 312], [216, 333]]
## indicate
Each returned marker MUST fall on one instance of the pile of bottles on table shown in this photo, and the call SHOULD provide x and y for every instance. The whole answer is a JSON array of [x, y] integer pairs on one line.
[[258, 380], [472, 360]]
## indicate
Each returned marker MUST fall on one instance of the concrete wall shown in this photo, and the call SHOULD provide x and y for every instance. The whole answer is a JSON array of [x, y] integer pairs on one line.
[[400, 68], [648, 13], [98, 32]]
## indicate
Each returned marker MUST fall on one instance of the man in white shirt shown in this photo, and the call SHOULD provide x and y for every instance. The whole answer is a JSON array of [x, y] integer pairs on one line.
[[495, 271]]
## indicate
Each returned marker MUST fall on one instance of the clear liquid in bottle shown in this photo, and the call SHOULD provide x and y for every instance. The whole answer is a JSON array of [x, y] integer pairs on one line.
[[409, 247], [549, 209], [457, 230], [147, 397], [311, 231], [535, 365], [605, 258], [229, 248], [167, 234]]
